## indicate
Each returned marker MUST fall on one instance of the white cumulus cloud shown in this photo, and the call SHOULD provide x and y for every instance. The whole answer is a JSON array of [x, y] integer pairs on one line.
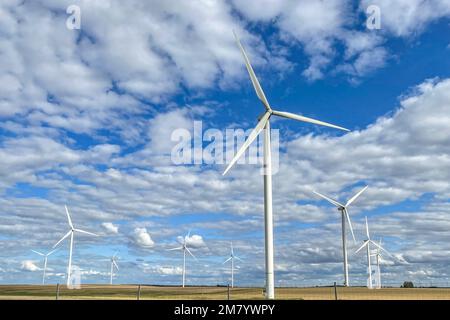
[[142, 238], [110, 227], [29, 265], [194, 241]]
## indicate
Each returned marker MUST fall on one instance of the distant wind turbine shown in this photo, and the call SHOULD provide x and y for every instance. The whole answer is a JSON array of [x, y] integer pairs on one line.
[[113, 265], [185, 249], [264, 123], [231, 258], [71, 233], [366, 244], [378, 256], [45, 261], [344, 216]]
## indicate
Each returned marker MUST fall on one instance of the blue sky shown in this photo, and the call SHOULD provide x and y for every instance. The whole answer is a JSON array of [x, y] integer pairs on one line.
[[87, 116]]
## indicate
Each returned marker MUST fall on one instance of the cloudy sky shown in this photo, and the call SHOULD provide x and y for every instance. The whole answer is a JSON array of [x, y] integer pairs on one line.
[[87, 116]]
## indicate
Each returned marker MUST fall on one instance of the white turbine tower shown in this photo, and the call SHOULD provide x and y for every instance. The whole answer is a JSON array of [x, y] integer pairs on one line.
[[366, 244], [45, 261], [71, 233], [264, 123], [344, 216], [378, 256], [113, 265], [185, 249], [231, 258]]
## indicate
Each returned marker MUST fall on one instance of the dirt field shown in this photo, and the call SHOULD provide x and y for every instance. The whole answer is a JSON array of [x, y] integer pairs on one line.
[[129, 292]]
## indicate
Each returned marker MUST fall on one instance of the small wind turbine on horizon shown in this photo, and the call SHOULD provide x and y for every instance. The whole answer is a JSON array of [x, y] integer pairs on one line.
[[71, 233], [264, 123], [231, 258], [378, 256], [366, 244], [344, 216], [113, 265], [45, 261], [185, 249]]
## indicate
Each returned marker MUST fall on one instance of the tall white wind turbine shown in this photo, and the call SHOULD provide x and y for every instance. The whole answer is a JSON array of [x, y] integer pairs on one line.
[[231, 258], [71, 233], [113, 265], [264, 123], [185, 249], [344, 216], [45, 261], [367, 242]]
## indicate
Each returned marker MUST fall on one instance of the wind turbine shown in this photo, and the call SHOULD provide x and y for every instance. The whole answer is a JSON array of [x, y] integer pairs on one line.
[[344, 216], [378, 257], [264, 123], [366, 244], [231, 258], [45, 261], [113, 265], [185, 249], [71, 233]]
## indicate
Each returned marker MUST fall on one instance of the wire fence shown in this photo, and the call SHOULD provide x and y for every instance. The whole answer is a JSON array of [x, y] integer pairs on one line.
[[145, 292]]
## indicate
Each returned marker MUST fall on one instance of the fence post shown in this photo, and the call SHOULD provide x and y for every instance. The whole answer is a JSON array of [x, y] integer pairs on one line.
[[57, 291], [139, 293], [335, 291], [228, 291]]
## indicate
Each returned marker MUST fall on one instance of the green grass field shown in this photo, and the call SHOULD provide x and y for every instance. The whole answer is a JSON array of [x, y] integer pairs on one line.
[[129, 292]]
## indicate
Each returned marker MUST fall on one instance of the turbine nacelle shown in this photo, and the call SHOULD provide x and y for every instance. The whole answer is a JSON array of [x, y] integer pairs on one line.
[[262, 115], [45, 255], [343, 208], [368, 241], [184, 246], [265, 117], [232, 255]]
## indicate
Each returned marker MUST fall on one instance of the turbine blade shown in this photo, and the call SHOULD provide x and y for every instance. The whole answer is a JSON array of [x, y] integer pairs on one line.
[[51, 252], [173, 249], [334, 202], [259, 91], [227, 260], [367, 230], [39, 253], [356, 196], [67, 234], [381, 248], [187, 236], [349, 224], [239, 258], [68, 217], [306, 119], [253, 135], [363, 245], [85, 232], [187, 249], [115, 265]]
